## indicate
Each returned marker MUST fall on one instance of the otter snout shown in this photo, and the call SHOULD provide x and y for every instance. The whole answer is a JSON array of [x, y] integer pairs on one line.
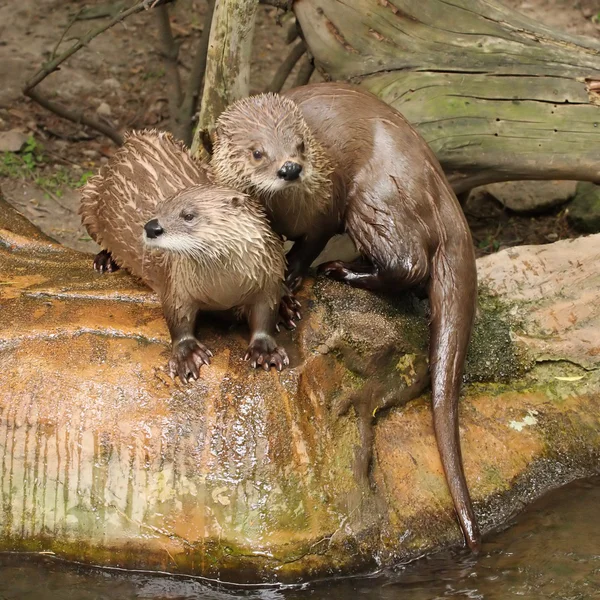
[[289, 171], [153, 229]]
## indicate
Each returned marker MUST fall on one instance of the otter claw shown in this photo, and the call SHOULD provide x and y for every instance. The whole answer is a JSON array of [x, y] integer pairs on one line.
[[289, 309], [187, 358], [266, 354], [104, 262]]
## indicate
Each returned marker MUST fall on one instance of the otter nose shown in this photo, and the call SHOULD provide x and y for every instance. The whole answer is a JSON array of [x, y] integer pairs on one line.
[[153, 229], [289, 171]]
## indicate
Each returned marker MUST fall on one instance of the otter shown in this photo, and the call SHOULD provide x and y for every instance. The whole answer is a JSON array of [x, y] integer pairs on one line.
[[327, 158], [200, 247]]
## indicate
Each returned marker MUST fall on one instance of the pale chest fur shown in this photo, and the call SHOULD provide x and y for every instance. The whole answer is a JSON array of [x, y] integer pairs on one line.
[[220, 287]]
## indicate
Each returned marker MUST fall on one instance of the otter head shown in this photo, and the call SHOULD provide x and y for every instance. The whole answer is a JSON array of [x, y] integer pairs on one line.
[[198, 222], [263, 145]]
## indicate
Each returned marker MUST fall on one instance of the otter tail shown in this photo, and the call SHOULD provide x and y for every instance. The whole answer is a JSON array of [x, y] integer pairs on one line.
[[453, 298]]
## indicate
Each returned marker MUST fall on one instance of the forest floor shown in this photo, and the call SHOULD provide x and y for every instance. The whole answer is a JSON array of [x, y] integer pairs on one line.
[[120, 79]]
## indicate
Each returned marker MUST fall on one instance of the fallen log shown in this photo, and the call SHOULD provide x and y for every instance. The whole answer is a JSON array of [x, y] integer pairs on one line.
[[498, 96]]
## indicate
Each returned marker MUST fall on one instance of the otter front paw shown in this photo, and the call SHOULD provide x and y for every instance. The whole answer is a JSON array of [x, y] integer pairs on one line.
[[289, 311], [264, 352], [294, 280], [104, 262], [186, 359]]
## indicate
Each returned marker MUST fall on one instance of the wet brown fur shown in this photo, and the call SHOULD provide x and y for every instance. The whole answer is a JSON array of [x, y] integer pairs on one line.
[[387, 190], [230, 259]]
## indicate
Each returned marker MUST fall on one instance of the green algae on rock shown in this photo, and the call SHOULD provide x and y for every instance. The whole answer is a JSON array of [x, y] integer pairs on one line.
[[253, 476]]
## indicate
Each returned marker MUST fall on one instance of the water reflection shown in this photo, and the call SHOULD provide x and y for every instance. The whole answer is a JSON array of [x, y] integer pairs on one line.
[[551, 551]]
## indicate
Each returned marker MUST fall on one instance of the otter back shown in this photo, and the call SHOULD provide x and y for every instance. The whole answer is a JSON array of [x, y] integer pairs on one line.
[[116, 203]]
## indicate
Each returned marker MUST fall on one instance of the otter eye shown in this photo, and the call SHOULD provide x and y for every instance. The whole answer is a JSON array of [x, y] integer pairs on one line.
[[188, 216], [257, 154]]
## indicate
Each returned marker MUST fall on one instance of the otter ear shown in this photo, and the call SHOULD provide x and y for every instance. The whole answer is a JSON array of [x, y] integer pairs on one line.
[[237, 201]]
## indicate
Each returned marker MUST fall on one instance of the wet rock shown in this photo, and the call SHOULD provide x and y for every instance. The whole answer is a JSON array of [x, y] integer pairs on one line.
[[584, 210], [256, 476], [13, 140], [531, 196]]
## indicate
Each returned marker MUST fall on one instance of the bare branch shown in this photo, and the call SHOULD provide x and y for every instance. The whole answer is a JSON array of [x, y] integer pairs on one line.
[[170, 52], [189, 105], [53, 65], [305, 72], [285, 68], [292, 33], [76, 116]]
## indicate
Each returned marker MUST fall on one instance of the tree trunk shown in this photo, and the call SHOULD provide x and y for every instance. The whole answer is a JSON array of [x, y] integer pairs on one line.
[[228, 64], [496, 95]]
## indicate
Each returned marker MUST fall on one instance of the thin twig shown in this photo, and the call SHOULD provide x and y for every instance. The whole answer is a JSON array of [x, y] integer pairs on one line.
[[189, 105], [170, 51], [62, 37], [76, 116], [285, 68], [52, 65]]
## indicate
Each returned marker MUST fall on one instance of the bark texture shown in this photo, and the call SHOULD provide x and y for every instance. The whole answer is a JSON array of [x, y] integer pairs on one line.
[[497, 95]]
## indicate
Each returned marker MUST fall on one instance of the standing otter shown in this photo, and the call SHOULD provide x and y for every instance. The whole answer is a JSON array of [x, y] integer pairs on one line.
[[201, 248], [327, 158]]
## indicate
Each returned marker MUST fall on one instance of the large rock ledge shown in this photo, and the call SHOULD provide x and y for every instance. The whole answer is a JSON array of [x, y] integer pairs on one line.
[[249, 476]]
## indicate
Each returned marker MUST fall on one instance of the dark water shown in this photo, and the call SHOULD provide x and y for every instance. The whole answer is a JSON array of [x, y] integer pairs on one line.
[[551, 551]]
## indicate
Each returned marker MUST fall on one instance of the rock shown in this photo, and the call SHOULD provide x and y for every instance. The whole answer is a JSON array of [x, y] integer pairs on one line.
[[111, 84], [254, 476], [56, 216], [531, 196], [104, 110], [12, 141], [584, 210]]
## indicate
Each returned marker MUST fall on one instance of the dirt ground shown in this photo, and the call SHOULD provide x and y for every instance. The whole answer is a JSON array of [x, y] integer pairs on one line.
[[120, 77]]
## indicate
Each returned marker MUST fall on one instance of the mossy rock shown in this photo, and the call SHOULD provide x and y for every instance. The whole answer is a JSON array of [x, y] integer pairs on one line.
[[584, 209]]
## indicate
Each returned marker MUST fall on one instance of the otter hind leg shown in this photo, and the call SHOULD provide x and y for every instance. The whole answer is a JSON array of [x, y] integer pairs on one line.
[[370, 277], [105, 263], [356, 274]]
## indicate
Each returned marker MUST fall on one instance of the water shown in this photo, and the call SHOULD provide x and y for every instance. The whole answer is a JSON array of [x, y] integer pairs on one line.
[[550, 551]]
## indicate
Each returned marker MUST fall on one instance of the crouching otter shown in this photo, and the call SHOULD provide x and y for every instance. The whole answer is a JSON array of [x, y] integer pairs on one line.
[[327, 158], [154, 211]]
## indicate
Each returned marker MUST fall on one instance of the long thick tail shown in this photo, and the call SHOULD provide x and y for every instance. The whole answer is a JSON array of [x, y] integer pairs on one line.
[[453, 298]]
